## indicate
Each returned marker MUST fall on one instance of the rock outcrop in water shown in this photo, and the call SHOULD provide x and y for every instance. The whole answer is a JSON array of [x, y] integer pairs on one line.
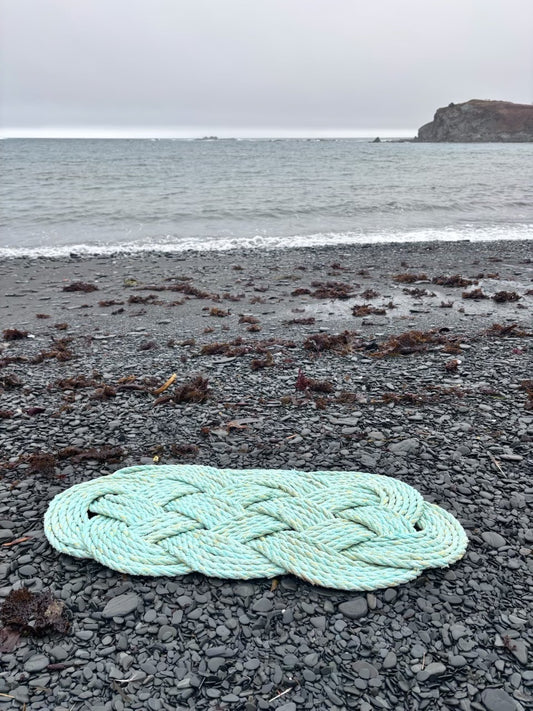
[[480, 121]]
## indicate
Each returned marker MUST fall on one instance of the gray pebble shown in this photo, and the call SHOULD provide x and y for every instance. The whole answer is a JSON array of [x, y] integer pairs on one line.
[[390, 660], [365, 669], [27, 571], [354, 608], [497, 700], [166, 633], [457, 660], [433, 669], [493, 539], [36, 663], [264, 604], [519, 650], [121, 605]]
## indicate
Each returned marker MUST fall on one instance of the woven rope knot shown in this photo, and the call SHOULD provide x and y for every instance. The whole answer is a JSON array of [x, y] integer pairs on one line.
[[348, 530]]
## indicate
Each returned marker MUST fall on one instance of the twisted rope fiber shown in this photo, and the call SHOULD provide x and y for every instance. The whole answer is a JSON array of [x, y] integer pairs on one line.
[[346, 530]]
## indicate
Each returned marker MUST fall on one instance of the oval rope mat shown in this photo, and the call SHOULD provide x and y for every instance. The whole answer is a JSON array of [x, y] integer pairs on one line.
[[347, 530]]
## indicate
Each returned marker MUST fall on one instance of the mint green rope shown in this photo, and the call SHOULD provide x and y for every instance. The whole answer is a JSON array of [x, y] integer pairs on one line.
[[347, 530]]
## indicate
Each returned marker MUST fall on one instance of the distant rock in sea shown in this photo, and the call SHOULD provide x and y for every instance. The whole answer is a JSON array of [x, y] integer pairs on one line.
[[480, 121]]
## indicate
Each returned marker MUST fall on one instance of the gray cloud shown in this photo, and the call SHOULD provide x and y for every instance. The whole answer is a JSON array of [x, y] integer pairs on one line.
[[260, 66]]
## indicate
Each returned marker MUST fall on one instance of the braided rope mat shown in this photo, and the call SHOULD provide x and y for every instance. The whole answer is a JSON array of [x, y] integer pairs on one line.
[[347, 530]]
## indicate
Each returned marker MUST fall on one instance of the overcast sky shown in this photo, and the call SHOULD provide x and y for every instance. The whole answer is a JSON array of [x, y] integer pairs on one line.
[[255, 67]]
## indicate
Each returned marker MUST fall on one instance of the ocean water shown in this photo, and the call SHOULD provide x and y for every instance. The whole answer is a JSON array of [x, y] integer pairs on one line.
[[100, 196]]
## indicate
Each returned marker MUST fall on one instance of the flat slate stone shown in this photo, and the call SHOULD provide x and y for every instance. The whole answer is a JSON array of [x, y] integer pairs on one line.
[[493, 539], [121, 605], [497, 700], [262, 605], [36, 663], [354, 608]]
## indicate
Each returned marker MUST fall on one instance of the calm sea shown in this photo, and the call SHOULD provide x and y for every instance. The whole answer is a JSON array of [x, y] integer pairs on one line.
[[100, 196]]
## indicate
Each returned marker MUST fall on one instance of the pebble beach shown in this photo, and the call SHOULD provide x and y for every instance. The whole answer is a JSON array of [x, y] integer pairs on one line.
[[409, 360]]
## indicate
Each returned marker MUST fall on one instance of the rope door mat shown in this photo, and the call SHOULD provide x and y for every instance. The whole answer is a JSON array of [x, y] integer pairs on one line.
[[347, 530]]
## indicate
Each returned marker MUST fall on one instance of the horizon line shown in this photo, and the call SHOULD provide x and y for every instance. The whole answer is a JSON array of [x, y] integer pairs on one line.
[[190, 133]]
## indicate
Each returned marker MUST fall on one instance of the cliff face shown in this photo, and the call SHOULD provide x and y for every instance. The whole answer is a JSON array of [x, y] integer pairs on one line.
[[480, 121]]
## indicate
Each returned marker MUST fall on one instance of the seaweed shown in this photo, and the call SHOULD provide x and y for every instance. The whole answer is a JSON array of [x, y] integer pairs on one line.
[[175, 302], [104, 392], [184, 449], [14, 334], [75, 382], [254, 328], [452, 347], [259, 363], [482, 275], [306, 321], [190, 290], [406, 398], [59, 351], [408, 278], [366, 310], [221, 313], [10, 380], [195, 390], [31, 614], [341, 343], [42, 316], [475, 294], [407, 343], [349, 397], [42, 463], [452, 365], [369, 294], [304, 383], [32, 411], [247, 318], [418, 293], [147, 346], [501, 297], [61, 326], [511, 330], [110, 302], [149, 299], [454, 280], [339, 267], [301, 291], [103, 454], [188, 342], [80, 286], [527, 386], [446, 305], [6, 414], [232, 297], [332, 290], [230, 349]]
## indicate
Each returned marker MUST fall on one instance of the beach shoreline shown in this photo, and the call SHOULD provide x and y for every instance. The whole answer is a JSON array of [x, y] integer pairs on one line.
[[433, 395], [271, 276]]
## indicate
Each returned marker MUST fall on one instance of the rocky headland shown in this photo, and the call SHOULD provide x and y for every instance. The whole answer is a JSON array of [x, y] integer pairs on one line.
[[478, 121]]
